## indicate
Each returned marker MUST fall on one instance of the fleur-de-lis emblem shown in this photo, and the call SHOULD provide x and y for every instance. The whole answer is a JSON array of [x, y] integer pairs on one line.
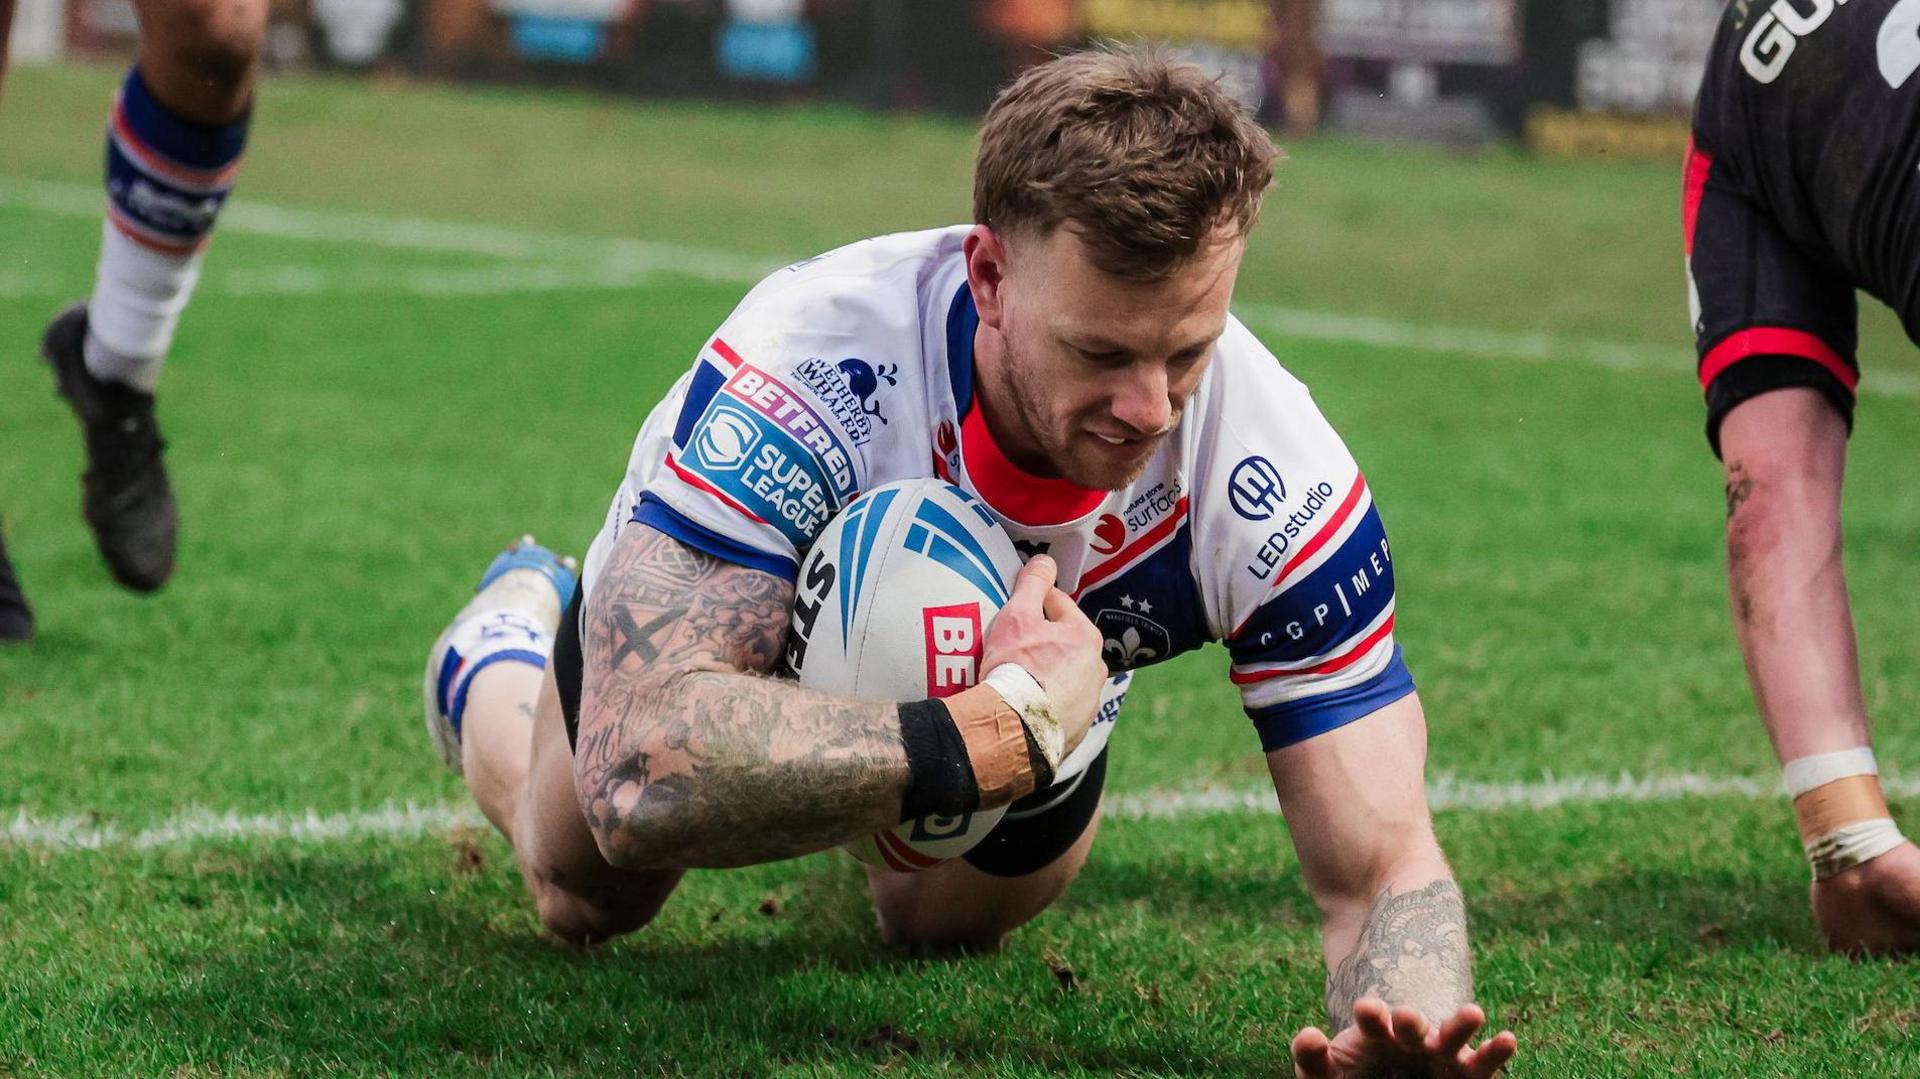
[[1128, 651]]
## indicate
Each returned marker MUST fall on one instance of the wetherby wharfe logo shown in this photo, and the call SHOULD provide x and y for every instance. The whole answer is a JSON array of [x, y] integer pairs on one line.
[[726, 439], [864, 379], [1255, 489]]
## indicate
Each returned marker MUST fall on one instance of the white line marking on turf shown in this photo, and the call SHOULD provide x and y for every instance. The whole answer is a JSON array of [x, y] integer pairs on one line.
[[414, 234], [504, 280], [573, 261], [1503, 344], [1445, 793], [197, 826]]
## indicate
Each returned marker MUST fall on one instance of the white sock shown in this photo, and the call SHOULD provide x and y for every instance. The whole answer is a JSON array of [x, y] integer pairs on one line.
[[500, 636], [138, 294], [166, 178]]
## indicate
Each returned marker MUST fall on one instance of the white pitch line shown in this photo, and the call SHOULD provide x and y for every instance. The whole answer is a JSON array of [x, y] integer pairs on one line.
[[498, 280], [1450, 793], [1473, 343], [292, 279], [415, 234], [544, 261], [199, 826], [195, 827]]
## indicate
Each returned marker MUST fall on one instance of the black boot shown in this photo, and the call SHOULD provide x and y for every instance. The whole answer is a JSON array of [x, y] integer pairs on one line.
[[126, 499], [16, 618]]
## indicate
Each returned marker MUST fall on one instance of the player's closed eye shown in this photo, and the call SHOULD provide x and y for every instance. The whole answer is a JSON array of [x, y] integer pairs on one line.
[[1105, 357]]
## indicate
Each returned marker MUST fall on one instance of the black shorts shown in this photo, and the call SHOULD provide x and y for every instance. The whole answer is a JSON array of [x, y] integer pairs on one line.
[[569, 663], [1036, 830], [1042, 826]]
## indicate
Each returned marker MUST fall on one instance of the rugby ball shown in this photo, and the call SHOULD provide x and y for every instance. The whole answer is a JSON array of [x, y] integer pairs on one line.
[[892, 603]]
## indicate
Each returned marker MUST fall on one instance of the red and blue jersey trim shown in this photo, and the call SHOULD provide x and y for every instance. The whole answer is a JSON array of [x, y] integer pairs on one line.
[[1326, 619], [1142, 548], [1012, 492], [657, 515], [1290, 722]]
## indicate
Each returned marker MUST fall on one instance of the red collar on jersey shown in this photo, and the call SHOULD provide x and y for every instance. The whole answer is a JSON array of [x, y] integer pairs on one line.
[[1012, 491]]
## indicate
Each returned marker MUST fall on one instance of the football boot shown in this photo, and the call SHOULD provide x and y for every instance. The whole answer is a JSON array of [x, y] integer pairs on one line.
[[125, 497]]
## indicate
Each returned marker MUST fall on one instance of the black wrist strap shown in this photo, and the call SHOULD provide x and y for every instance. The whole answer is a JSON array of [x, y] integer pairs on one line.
[[940, 778]]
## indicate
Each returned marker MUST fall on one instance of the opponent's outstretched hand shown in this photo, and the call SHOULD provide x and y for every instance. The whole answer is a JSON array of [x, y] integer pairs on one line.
[[1397, 1041], [1043, 630], [1873, 908]]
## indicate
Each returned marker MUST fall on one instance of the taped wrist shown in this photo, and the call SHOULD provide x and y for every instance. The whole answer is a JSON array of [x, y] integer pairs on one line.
[[1841, 810], [1046, 738], [989, 745], [1007, 762], [940, 779]]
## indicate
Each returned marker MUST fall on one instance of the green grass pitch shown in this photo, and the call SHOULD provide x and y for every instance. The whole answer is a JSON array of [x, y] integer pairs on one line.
[[418, 338]]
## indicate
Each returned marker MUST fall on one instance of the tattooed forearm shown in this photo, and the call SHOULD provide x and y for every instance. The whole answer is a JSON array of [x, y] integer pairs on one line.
[[1412, 951], [686, 757]]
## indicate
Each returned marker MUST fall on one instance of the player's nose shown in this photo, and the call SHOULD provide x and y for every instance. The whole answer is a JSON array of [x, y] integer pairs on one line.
[[1142, 402]]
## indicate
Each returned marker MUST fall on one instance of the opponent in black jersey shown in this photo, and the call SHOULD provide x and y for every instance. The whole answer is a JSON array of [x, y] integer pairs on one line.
[[1801, 187]]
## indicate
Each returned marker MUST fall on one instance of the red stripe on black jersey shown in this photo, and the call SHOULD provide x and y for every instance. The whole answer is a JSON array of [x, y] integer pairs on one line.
[[1699, 165], [1775, 341]]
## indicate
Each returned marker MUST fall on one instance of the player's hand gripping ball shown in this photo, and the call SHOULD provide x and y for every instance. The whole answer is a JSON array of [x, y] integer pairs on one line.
[[893, 603]]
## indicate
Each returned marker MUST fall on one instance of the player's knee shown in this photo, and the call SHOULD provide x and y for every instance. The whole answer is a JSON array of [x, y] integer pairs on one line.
[[920, 928], [214, 42], [924, 915], [593, 918]]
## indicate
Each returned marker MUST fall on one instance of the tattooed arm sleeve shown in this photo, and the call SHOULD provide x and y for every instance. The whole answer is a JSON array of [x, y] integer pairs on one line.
[[1393, 924], [688, 755]]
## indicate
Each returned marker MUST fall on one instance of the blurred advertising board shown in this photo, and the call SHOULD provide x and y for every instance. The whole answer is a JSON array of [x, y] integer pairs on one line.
[[1571, 76], [1230, 38], [1423, 31], [1431, 70], [101, 26], [1616, 77]]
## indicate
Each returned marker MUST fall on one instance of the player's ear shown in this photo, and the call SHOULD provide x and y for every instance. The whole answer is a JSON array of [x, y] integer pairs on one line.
[[986, 255]]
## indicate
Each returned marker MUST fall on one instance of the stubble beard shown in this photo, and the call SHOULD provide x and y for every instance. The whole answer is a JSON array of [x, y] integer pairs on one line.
[[1056, 441]]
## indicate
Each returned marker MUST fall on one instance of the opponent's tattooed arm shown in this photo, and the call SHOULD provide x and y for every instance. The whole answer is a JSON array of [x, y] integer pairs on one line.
[[687, 755], [1412, 952]]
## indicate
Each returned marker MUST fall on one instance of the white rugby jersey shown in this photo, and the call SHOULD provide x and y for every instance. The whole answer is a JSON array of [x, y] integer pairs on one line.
[[1251, 525]]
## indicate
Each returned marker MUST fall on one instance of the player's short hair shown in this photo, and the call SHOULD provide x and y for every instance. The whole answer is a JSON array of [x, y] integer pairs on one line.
[[1147, 158]]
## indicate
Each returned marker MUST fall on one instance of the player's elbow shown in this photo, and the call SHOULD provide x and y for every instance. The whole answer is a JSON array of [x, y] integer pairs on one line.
[[634, 803]]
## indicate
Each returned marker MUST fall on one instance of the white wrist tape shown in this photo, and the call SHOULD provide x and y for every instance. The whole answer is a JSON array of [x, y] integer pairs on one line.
[[1024, 694], [1835, 843], [1806, 773], [1851, 844]]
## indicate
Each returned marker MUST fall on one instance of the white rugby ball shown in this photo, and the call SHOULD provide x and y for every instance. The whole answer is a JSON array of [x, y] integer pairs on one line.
[[893, 603]]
